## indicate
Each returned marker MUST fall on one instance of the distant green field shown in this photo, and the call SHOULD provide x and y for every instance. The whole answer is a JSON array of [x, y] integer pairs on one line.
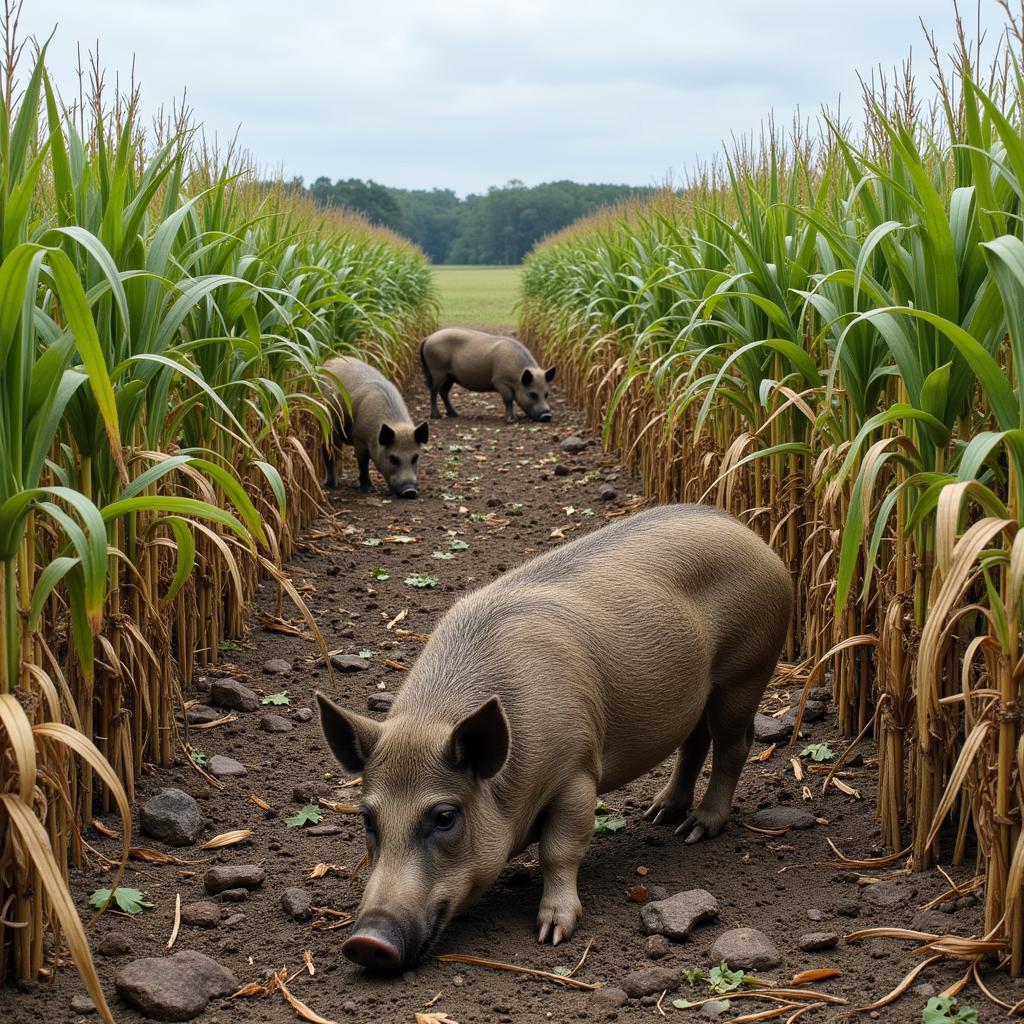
[[478, 296]]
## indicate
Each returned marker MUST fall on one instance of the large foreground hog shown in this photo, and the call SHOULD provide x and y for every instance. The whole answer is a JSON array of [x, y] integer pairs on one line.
[[485, 362], [375, 422], [568, 677]]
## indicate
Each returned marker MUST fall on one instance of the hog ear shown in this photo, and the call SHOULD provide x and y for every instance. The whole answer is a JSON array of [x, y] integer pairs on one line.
[[527, 378], [350, 736], [386, 435], [421, 433], [479, 743], [549, 374]]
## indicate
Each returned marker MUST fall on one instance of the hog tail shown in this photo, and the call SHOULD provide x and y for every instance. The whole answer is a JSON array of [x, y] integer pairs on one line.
[[426, 369]]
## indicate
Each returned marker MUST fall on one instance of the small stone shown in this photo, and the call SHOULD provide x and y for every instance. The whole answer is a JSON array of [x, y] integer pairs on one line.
[[925, 990], [821, 693], [608, 998], [327, 829], [230, 693], [275, 723], [562, 470], [783, 817], [310, 792], [813, 942], [380, 701], [295, 902], [203, 914], [771, 730], [607, 493], [494, 502], [277, 667], [234, 919], [848, 908], [889, 893], [303, 715], [656, 892], [233, 876], [226, 767], [746, 949], [657, 946], [171, 816], [815, 915], [715, 1008], [814, 711], [174, 987], [651, 980], [82, 1004], [113, 945], [235, 895], [200, 714], [349, 663], [573, 444], [675, 917], [937, 922]]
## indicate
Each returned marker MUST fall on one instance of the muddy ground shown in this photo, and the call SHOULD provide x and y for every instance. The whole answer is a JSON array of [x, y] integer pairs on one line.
[[493, 486]]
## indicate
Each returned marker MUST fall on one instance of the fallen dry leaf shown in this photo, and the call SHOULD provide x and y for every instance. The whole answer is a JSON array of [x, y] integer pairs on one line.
[[637, 893], [276, 625], [227, 839], [151, 856], [398, 618], [819, 974], [642, 871], [322, 869], [177, 920], [844, 788], [103, 830], [437, 1017], [333, 805], [262, 804], [400, 538], [396, 665]]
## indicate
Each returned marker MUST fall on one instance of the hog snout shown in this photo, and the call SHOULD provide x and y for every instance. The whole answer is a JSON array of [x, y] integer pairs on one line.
[[377, 943], [408, 491], [544, 417]]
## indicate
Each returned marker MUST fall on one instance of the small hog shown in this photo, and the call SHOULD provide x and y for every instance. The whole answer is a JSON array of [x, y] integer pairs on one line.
[[485, 362], [571, 676], [376, 423]]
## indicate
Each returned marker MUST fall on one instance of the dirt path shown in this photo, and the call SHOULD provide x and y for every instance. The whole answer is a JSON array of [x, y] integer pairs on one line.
[[495, 488]]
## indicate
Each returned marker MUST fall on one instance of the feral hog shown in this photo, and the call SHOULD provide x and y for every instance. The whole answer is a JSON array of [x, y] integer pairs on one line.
[[485, 362], [369, 414], [571, 676]]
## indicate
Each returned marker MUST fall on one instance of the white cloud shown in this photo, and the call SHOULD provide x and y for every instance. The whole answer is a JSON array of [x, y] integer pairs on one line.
[[466, 94]]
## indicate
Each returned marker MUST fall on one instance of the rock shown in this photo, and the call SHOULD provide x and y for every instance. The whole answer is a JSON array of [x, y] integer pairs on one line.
[[113, 945], [573, 444], [608, 998], [657, 946], [925, 990], [380, 701], [327, 829], [277, 667], [235, 895], [174, 987], [715, 1008], [815, 915], [82, 1004], [746, 949], [349, 663], [607, 493], [233, 876], [656, 892], [561, 470], [936, 922], [812, 942], [226, 767], [275, 723], [200, 714], [310, 792], [303, 715], [848, 908], [494, 502], [783, 817], [675, 917], [203, 914], [821, 693], [172, 816], [652, 980], [889, 893], [771, 730], [295, 902], [234, 919], [814, 711], [230, 693]]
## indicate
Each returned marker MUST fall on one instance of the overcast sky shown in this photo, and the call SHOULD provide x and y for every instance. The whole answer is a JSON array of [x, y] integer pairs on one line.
[[464, 94]]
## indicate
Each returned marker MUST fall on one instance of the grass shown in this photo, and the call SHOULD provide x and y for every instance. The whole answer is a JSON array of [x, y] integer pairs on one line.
[[480, 296]]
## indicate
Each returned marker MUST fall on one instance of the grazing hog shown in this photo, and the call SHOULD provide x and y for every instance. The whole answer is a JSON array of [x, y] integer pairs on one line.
[[375, 421], [485, 362], [566, 678]]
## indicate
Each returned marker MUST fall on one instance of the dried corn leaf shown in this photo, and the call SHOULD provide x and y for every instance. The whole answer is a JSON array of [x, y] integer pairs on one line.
[[844, 788], [227, 839], [818, 974], [276, 625], [400, 538], [401, 616], [438, 1017], [497, 965], [333, 805], [396, 665], [177, 920], [322, 869], [262, 804], [103, 830], [151, 856]]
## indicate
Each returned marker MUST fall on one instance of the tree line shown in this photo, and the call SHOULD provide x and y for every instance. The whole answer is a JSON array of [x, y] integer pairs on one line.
[[501, 226]]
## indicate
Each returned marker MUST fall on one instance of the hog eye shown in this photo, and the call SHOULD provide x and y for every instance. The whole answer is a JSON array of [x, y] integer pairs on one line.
[[415, 459], [394, 460], [368, 822], [533, 395], [444, 817]]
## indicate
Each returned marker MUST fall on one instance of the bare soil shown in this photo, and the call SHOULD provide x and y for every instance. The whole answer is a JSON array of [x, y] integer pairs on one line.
[[495, 485]]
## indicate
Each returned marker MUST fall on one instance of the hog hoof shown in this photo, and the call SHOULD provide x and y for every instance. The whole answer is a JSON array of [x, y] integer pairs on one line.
[[452, 414], [366, 488], [435, 415], [557, 923], [701, 824], [667, 809]]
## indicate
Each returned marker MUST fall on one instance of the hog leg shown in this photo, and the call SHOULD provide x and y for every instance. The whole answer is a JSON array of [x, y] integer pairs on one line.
[[445, 391], [672, 804], [730, 714], [565, 836], [328, 454], [363, 459], [435, 413]]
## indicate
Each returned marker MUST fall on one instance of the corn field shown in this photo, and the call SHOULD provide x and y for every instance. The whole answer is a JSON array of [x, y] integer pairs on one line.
[[824, 333], [162, 319]]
